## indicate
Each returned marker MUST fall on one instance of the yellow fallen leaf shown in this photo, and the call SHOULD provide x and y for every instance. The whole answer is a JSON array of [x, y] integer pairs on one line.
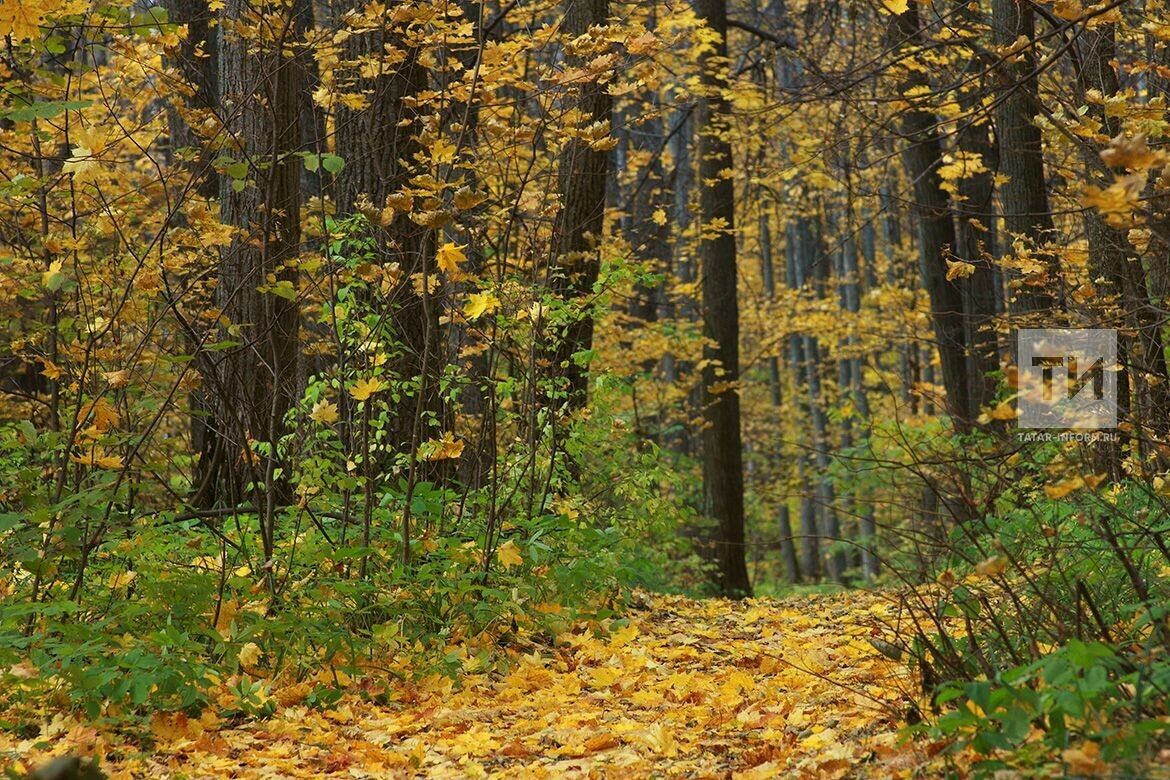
[[249, 655]]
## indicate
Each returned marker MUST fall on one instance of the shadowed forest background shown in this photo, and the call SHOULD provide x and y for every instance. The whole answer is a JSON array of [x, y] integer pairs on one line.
[[344, 341]]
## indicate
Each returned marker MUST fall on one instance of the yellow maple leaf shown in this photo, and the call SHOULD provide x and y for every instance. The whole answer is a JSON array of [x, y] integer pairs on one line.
[[992, 567], [479, 304], [324, 412], [1064, 487], [364, 388], [509, 554], [959, 269], [82, 165], [449, 257], [21, 19]]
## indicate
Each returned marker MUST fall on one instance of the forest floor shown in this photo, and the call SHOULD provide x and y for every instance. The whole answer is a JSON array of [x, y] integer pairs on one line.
[[762, 688]]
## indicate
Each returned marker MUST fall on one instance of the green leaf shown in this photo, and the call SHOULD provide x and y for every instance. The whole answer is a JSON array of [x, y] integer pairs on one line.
[[332, 163], [44, 109]]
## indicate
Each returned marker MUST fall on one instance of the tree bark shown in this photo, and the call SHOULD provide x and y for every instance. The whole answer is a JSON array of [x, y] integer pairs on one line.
[[582, 181], [1024, 194], [722, 438], [922, 157], [259, 95]]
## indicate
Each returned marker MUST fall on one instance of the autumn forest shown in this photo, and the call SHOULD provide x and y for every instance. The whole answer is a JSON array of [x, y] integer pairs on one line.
[[541, 388]]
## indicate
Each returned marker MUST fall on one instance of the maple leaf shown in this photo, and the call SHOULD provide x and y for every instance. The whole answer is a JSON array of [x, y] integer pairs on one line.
[[449, 257], [364, 388], [82, 165], [479, 304], [508, 554], [21, 19], [447, 447], [325, 412]]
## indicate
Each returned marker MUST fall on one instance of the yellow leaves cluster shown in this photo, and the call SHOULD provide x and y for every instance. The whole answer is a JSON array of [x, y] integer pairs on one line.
[[446, 447], [957, 166], [1119, 200]]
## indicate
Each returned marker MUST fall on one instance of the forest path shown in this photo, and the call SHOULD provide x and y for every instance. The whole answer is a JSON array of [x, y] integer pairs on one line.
[[761, 688]]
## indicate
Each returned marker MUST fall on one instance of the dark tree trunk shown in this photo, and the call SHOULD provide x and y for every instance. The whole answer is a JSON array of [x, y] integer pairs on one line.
[[259, 94], [975, 214], [197, 63], [582, 182], [922, 157], [722, 439], [376, 142], [1143, 389], [201, 75], [1024, 195]]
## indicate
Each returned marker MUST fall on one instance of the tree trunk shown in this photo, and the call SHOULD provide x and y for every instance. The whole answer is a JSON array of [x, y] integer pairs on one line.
[[922, 157], [1024, 194], [722, 439], [376, 141], [582, 183], [1143, 389], [259, 94]]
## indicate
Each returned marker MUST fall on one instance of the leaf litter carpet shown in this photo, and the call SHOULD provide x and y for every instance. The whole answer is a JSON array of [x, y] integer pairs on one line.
[[752, 689]]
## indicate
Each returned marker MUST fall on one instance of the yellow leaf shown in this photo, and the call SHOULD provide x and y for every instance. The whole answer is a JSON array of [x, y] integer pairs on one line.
[[993, 566], [466, 198], [117, 378], [121, 579], [479, 304], [1070, 10], [249, 655], [447, 447], [1002, 411], [364, 388], [659, 217], [449, 257], [82, 165], [1064, 487], [896, 7], [509, 554], [324, 412], [53, 278], [21, 19], [959, 269]]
